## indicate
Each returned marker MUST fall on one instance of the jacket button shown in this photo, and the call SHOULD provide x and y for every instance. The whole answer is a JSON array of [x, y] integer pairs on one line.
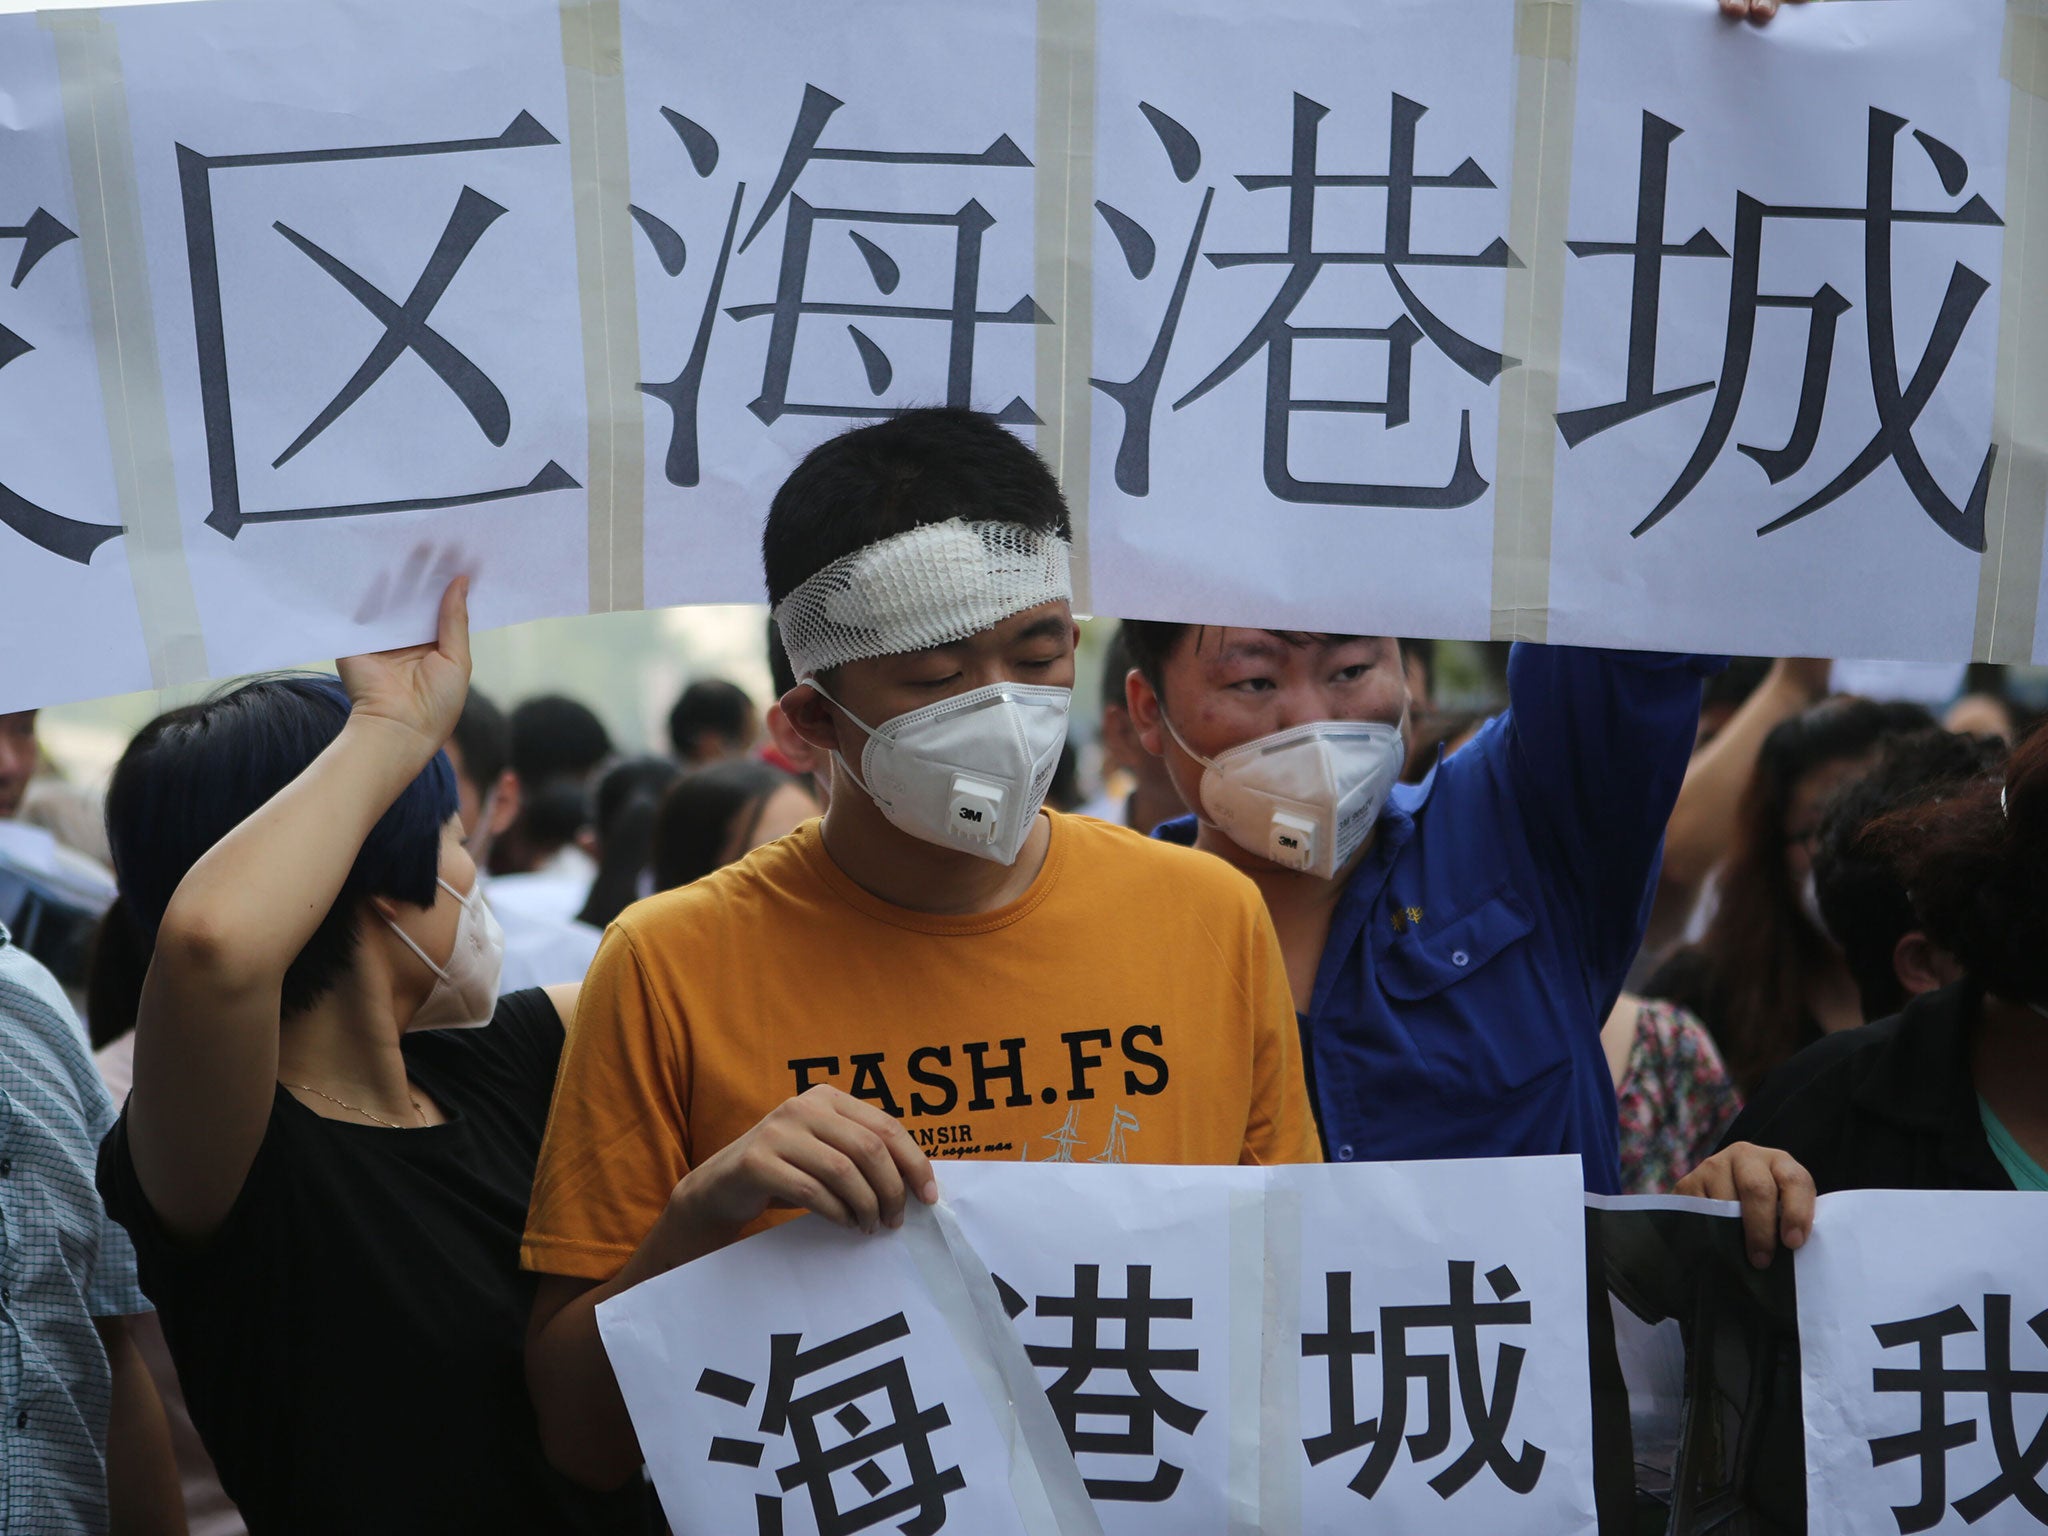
[[1344, 1153], [1460, 958]]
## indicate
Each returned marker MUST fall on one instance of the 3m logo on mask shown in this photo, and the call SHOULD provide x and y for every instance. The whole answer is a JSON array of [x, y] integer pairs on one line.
[[977, 808]]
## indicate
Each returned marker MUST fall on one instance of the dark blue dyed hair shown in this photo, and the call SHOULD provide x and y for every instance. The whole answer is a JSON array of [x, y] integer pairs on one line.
[[194, 774]]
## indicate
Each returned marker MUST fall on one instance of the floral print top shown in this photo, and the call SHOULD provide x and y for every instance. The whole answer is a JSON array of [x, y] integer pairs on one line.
[[1675, 1101]]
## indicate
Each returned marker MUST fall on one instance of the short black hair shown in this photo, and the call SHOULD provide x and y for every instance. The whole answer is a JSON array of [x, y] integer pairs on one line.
[[193, 775], [483, 740], [556, 737], [1863, 900], [922, 466], [780, 672], [711, 706], [1151, 641], [1423, 651]]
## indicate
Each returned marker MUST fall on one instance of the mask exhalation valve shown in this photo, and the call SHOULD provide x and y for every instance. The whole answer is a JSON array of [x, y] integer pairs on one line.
[[1291, 841], [976, 810]]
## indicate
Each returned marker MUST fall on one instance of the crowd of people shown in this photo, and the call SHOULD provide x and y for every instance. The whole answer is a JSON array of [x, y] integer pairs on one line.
[[373, 1036], [418, 1029]]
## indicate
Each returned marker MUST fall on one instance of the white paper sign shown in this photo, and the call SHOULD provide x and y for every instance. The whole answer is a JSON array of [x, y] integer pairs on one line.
[[809, 1381], [365, 289], [1923, 1339], [848, 213], [1137, 1292], [67, 603], [1299, 282], [1437, 1339], [1304, 1349], [1780, 329], [364, 293]]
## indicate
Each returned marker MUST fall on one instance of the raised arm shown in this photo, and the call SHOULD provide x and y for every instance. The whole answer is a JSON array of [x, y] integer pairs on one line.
[[1597, 743], [206, 1039], [1703, 822]]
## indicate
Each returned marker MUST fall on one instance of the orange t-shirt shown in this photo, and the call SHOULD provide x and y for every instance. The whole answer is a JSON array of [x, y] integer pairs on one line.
[[1131, 1006]]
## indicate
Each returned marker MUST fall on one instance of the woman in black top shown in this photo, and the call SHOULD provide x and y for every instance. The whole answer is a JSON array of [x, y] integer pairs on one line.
[[324, 1170], [1952, 1093]]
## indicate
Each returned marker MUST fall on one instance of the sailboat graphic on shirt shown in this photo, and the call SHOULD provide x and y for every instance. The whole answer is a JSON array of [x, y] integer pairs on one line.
[[1068, 1136]]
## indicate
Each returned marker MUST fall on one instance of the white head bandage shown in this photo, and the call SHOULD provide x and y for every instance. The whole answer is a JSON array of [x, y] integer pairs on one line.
[[930, 586]]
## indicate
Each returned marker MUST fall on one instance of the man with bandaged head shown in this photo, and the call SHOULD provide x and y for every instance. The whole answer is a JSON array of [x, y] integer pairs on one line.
[[937, 968]]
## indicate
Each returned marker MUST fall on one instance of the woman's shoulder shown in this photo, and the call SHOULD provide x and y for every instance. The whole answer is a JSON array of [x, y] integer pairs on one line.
[[520, 1047]]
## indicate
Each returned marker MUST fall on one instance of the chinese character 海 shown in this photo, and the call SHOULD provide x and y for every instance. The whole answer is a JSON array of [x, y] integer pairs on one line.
[[830, 1433]]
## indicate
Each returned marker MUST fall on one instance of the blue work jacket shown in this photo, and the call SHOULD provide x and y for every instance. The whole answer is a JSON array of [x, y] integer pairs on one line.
[[1482, 940]]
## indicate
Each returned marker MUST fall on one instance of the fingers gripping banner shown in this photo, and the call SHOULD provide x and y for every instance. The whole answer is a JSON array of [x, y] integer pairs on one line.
[[1185, 1350], [1600, 321], [1131, 1349]]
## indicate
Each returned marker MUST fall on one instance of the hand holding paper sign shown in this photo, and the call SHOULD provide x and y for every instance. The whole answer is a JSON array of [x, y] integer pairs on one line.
[[419, 689], [821, 1151], [1776, 1193]]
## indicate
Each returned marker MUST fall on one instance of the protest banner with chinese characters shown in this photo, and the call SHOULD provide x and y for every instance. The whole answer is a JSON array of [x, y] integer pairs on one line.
[[1222, 1350], [1923, 1327], [1596, 321], [845, 1386]]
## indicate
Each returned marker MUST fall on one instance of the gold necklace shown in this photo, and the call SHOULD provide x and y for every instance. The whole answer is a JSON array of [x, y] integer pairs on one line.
[[357, 1109]]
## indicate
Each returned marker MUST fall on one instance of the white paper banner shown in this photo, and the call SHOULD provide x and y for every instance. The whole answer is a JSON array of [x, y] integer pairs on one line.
[[847, 1384], [1923, 1340], [1302, 1349], [319, 303]]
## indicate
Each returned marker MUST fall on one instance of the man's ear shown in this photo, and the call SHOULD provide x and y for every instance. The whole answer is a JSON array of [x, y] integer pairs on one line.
[[1923, 965], [507, 797], [1141, 699], [805, 711], [804, 757]]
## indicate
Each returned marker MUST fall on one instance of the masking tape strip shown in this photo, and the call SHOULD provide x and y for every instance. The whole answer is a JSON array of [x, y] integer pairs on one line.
[[1063, 276], [1280, 1363], [102, 152], [2025, 62], [593, 63], [1045, 1480], [1244, 1474], [1546, 62], [2016, 511]]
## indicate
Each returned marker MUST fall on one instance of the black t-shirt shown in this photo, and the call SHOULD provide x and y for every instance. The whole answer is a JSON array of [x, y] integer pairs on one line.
[[350, 1340]]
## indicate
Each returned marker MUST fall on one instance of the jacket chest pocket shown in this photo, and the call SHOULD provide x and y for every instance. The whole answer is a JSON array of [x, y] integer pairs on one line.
[[1420, 962], [1463, 993]]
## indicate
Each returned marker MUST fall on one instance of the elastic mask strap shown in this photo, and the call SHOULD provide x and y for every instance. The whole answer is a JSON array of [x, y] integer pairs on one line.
[[1178, 740], [407, 940], [838, 756]]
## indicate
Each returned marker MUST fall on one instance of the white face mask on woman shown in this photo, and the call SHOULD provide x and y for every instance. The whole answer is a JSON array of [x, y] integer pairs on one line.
[[465, 992], [1306, 797], [969, 772]]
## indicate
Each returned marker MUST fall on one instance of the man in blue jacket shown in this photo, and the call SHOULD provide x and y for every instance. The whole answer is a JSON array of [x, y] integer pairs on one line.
[[1453, 946]]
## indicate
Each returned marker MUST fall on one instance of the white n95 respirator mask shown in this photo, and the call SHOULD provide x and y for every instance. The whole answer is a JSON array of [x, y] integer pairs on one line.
[[1304, 798], [465, 991], [969, 772]]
